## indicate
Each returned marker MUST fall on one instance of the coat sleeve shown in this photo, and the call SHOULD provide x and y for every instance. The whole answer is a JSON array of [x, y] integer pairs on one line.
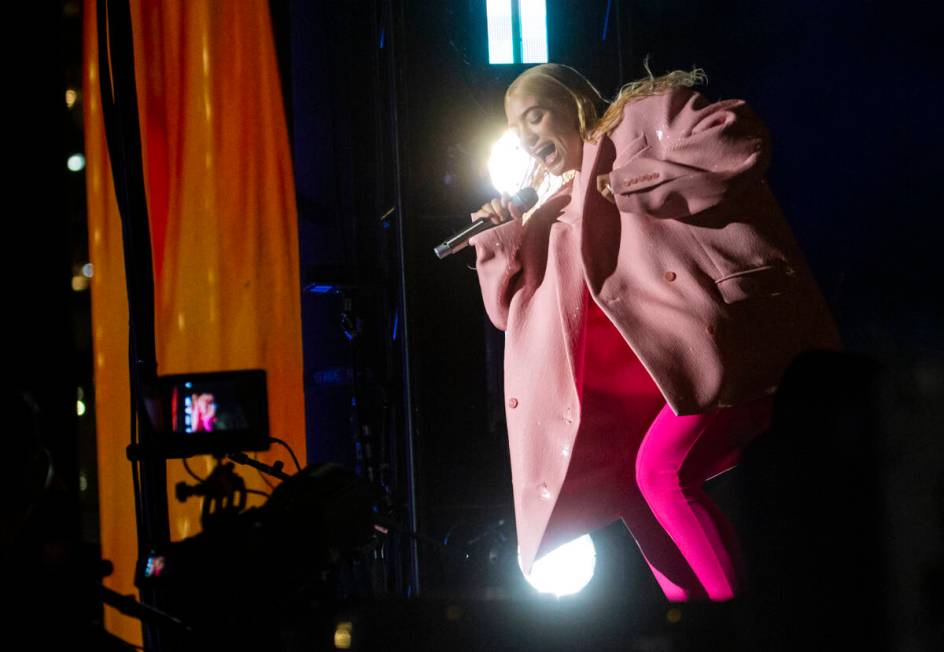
[[691, 154], [498, 266]]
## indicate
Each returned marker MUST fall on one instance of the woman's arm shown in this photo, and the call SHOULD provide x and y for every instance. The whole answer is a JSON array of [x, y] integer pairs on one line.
[[498, 265], [678, 154]]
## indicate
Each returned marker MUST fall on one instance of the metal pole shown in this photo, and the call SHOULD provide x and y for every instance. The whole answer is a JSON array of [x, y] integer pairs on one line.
[[394, 18]]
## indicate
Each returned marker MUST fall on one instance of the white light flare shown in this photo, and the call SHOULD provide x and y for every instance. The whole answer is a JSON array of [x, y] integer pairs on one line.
[[566, 570], [511, 169], [509, 166]]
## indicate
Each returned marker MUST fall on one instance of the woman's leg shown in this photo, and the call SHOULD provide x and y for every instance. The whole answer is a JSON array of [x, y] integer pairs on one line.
[[676, 456], [671, 570]]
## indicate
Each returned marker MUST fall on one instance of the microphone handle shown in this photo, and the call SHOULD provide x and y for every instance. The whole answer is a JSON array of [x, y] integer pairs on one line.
[[460, 241], [523, 200]]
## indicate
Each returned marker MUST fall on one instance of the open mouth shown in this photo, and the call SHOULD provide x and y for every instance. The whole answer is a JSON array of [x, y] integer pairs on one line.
[[547, 153]]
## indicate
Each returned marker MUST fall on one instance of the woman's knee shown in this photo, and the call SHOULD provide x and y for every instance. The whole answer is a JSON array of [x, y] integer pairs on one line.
[[655, 476]]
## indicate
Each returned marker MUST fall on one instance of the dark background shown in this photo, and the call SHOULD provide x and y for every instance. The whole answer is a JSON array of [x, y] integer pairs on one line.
[[851, 93]]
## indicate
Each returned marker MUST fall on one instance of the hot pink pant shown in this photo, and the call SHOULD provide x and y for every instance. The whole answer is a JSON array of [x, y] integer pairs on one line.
[[686, 540]]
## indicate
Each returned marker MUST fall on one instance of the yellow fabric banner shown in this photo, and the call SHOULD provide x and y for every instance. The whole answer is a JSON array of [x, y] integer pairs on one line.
[[221, 200]]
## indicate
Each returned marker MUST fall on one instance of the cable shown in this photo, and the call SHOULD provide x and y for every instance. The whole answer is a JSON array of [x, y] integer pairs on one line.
[[298, 467], [258, 493], [191, 471], [262, 475]]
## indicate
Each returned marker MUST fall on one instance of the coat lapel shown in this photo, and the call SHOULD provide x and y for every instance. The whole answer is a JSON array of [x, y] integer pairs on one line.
[[600, 224], [570, 268]]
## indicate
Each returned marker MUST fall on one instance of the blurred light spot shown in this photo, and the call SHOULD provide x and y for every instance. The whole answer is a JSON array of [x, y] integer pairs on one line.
[[342, 635], [87, 270], [83, 482], [76, 162], [205, 54], [674, 615], [71, 97], [79, 393], [80, 407], [80, 283], [453, 612]]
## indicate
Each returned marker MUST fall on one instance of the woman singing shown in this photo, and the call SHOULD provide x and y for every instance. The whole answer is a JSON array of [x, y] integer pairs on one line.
[[650, 307]]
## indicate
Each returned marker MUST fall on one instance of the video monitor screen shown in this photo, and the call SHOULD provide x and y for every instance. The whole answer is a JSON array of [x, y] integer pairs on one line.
[[207, 407], [218, 412]]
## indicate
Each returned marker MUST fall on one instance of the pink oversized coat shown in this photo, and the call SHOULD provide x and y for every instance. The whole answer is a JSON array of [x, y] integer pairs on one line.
[[697, 269]]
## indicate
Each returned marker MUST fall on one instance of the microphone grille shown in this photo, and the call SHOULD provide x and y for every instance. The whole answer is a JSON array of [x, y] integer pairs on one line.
[[525, 198]]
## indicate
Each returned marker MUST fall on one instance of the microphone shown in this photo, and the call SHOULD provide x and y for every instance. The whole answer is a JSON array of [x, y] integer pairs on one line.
[[523, 200]]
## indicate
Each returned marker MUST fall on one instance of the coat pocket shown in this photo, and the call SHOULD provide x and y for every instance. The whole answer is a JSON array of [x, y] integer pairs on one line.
[[766, 281]]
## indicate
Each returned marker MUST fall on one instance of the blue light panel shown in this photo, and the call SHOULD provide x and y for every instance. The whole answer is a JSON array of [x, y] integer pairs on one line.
[[500, 46], [533, 15]]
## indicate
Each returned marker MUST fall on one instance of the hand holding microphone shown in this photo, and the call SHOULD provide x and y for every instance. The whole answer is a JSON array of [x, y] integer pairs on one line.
[[499, 210], [493, 213]]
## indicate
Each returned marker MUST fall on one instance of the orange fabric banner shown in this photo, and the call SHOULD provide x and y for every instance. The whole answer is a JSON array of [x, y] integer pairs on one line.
[[221, 200]]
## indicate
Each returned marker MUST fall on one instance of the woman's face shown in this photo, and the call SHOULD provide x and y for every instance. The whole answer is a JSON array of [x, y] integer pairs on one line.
[[547, 133]]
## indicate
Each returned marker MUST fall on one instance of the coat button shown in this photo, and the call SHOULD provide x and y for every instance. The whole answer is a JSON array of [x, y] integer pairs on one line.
[[544, 492], [512, 403], [565, 451], [670, 276]]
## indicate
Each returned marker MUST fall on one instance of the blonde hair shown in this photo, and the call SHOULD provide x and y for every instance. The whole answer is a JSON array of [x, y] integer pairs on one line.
[[567, 90]]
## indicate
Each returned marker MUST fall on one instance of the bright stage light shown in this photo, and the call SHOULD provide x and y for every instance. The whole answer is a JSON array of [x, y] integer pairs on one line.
[[565, 570], [511, 168], [76, 162]]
